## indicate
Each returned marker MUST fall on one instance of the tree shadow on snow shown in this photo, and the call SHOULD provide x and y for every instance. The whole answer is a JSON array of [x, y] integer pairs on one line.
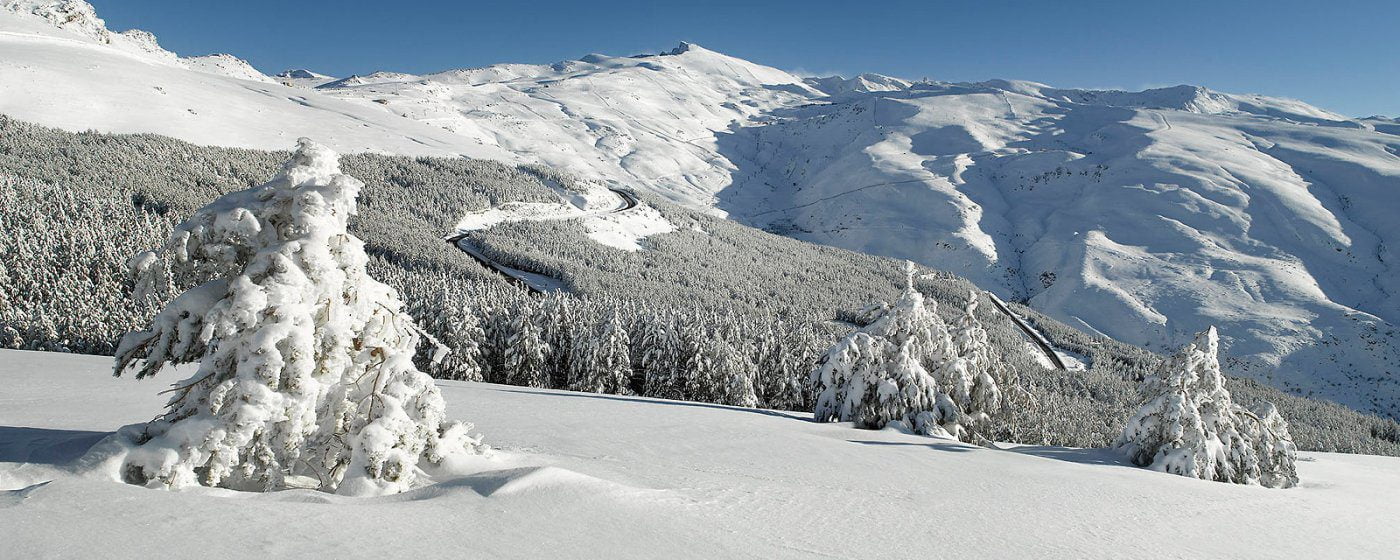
[[936, 445], [45, 446], [1074, 455], [648, 400], [1068, 454]]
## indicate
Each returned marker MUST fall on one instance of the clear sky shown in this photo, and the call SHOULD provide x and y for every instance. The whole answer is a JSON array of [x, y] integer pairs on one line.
[[1341, 55]]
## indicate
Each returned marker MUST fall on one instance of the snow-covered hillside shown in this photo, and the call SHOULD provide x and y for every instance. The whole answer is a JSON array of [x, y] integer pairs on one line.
[[1145, 216], [621, 477], [62, 66], [1140, 215]]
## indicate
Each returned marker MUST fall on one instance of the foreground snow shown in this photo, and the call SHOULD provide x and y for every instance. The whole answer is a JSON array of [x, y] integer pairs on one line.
[[582, 475]]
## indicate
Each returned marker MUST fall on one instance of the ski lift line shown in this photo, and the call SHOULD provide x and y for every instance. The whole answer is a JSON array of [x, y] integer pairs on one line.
[[824, 199], [1030, 333]]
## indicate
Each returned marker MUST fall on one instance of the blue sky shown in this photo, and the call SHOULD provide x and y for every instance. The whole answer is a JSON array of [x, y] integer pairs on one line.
[[1337, 54]]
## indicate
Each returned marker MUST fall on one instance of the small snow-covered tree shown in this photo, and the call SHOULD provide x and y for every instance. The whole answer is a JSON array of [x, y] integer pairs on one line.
[[305, 373], [10, 338], [1189, 425], [1273, 446], [889, 371]]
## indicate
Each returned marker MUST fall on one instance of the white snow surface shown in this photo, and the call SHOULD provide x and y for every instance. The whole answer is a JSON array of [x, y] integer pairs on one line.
[[587, 476], [227, 65], [303, 78], [83, 77], [1146, 216]]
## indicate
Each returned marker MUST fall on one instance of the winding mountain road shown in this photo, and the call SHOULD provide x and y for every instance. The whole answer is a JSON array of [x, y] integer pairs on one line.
[[533, 282]]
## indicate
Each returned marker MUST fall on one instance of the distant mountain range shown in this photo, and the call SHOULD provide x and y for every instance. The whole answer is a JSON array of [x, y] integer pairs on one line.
[[1145, 216]]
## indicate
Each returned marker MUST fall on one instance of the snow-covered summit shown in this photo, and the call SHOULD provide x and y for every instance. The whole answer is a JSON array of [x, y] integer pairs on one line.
[[837, 86], [74, 19], [369, 79], [1189, 98], [298, 77], [70, 15], [227, 65]]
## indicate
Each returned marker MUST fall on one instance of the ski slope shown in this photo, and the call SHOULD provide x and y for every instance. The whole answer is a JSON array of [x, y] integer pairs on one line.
[[579, 475], [1145, 216]]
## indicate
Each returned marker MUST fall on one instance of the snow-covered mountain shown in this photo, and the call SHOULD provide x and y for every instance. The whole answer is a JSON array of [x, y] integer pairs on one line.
[[60, 65], [1146, 216], [300, 77]]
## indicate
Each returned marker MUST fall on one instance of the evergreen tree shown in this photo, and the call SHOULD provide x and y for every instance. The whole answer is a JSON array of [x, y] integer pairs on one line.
[[305, 362], [659, 357], [881, 373], [1189, 425], [496, 328], [462, 335], [978, 372], [525, 355], [558, 322], [600, 363]]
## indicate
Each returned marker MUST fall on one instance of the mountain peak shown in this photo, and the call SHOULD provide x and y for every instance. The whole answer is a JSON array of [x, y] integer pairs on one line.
[[299, 73], [71, 15], [226, 65]]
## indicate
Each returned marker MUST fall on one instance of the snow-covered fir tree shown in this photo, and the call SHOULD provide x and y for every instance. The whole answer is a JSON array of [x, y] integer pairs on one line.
[[774, 363], [662, 357], [975, 375], [558, 322], [1189, 425], [1274, 448], [495, 323], [600, 363], [652, 352], [890, 371], [525, 355], [305, 373], [459, 331]]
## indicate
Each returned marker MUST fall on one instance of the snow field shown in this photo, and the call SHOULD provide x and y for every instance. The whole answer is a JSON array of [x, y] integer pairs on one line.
[[584, 476]]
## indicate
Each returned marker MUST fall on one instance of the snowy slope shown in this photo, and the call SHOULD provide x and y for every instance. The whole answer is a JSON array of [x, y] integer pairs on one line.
[[648, 121], [1145, 216], [227, 65], [594, 476], [1141, 215], [80, 76]]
